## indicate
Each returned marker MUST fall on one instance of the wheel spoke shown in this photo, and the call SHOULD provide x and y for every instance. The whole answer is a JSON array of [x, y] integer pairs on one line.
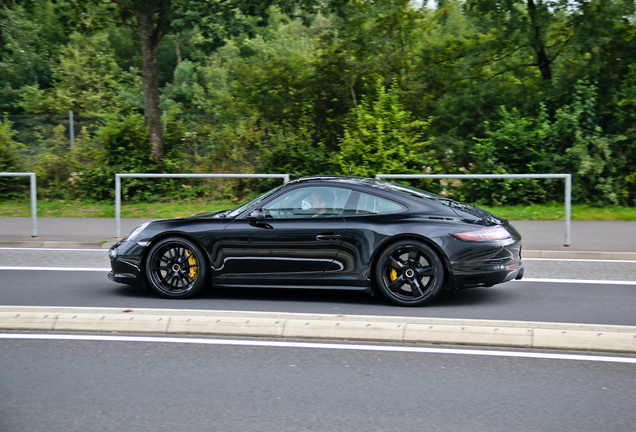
[[397, 284], [413, 256], [415, 287], [396, 264], [178, 282], [425, 271], [187, 280]]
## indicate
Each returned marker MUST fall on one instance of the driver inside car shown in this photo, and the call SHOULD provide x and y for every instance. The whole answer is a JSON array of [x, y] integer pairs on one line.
[[322, 202]]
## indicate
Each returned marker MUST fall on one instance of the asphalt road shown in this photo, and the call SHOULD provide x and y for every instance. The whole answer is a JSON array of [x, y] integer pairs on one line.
[[548, 300], [167, 385], [55, 385]]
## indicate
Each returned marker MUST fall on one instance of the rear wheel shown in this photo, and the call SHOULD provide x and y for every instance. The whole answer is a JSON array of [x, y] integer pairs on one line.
[[409, 273], [175, 268]]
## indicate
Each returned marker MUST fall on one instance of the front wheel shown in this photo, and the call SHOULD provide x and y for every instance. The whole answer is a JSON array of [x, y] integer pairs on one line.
[[175, 268], [409, 273]]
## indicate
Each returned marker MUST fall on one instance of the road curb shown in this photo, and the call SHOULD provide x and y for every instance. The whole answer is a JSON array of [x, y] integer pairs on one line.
[[514, 334]]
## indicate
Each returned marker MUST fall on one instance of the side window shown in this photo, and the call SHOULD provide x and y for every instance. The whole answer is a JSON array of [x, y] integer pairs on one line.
[[308, 202], [371, 204]]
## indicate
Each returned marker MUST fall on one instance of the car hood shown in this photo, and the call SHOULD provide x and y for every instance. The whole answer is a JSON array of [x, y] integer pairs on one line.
[[209, 215]]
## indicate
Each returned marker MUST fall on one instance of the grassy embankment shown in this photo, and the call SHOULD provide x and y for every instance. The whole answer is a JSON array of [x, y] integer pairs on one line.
[[52, 208]]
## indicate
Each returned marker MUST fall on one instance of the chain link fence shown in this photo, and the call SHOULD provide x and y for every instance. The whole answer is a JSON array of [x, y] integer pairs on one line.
[[38, 133]]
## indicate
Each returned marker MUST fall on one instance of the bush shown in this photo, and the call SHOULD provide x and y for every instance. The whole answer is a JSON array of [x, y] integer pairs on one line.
[[126, 149], [10, 187]]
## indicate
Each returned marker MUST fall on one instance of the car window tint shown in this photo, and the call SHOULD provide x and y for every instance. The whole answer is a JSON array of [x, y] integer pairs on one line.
[[308, 202], [371, 204]]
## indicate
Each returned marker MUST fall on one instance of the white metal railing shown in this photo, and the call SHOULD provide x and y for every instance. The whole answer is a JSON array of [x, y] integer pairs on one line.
[[567, 177], [34, 215], [118, 178]]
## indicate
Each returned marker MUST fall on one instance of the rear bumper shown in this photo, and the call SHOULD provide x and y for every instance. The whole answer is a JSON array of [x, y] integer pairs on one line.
[[488, 279]]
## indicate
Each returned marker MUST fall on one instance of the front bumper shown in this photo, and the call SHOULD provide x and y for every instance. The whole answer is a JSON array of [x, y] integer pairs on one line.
[[125, 259]]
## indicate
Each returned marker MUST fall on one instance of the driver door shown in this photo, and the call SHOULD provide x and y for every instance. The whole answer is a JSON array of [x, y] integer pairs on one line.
[[291, 241]]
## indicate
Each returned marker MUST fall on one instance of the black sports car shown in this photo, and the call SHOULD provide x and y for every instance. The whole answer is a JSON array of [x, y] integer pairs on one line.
[[326, 233]]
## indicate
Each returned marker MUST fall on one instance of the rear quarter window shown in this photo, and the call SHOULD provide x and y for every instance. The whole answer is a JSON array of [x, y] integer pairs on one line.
[[372, 204]]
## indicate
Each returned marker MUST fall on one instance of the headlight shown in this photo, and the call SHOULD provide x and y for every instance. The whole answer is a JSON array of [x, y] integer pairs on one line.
[[136, 232]]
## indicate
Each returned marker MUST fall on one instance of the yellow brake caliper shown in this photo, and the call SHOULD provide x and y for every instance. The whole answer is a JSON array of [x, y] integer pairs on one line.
[[392, 275], [193, 265]]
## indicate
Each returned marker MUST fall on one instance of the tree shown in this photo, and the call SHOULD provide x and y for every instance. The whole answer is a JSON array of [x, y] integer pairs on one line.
[[382, 137], [86, 79], [154, 19], [537, 25], [10, 160]]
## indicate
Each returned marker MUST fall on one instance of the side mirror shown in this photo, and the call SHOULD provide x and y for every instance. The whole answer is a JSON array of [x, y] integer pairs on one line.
[[256, 215]]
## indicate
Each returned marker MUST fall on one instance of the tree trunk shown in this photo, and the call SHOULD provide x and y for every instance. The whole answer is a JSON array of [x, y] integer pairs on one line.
[[543, 61], [151, 34]]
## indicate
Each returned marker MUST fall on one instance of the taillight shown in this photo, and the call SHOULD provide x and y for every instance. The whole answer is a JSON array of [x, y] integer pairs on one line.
[[498, 233]]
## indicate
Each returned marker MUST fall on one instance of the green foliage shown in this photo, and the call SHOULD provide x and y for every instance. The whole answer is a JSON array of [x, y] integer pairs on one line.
[[293, 151], [9, 162], [25, 53], [87, 80], [381, 137], [587, 148], [571, 142], [308, 87], [517, 145], [126, 149]]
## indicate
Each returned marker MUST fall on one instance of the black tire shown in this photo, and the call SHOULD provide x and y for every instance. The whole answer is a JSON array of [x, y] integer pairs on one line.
[[176, 268], [409, 273]]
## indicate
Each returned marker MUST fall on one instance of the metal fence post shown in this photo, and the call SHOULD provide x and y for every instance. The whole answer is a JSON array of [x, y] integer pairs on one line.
[[33, 187], [118, 205], [34, 211], [568, 209], [71, 128]]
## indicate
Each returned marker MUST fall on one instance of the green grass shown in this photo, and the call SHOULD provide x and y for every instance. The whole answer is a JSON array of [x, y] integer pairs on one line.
[[556, 211], [56, 208]]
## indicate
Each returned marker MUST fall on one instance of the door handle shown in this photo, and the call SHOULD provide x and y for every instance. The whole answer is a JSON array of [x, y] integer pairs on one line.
[[328, 237]]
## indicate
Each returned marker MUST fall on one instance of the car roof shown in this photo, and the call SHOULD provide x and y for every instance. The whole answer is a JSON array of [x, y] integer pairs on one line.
[[390, 187], [339, 179]]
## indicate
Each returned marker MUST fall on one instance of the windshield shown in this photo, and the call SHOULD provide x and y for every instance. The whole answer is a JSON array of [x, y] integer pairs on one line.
[[234, 213]]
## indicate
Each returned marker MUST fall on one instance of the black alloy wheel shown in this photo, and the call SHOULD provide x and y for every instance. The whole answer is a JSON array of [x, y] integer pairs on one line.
[[409, 273], [176, 268]]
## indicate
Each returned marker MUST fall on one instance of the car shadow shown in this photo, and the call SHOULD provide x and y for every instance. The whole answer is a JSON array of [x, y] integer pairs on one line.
[[261, 294], [476, 297]]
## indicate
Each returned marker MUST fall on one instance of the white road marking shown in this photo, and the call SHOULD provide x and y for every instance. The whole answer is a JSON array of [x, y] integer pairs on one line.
[[53, 249], [580, 260], [311, 345], [84, 269], [579, 281]]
